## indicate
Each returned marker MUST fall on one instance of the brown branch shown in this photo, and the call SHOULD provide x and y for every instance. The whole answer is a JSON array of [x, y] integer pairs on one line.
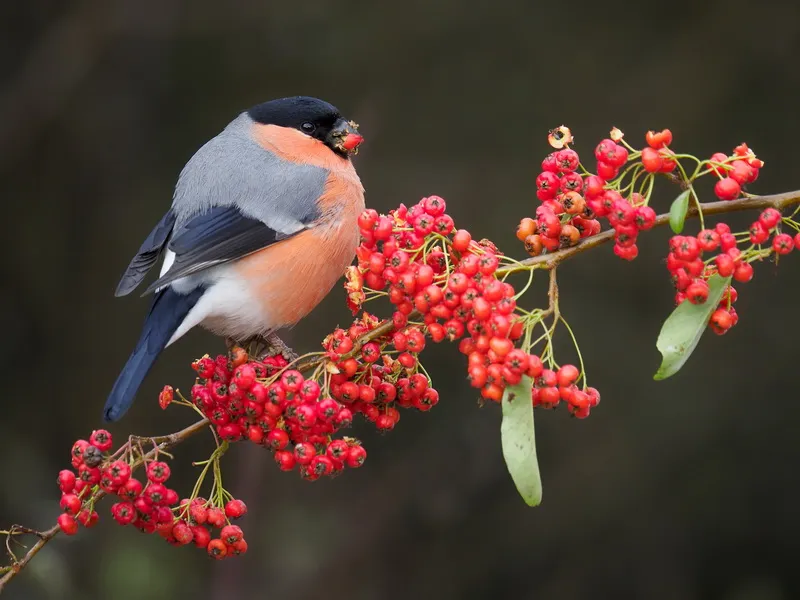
[[549, 261]]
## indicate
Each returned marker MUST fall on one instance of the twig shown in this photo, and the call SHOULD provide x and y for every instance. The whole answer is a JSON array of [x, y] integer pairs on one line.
[[549, 261]]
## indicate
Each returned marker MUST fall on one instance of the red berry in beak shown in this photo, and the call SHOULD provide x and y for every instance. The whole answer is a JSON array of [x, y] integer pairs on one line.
[[351, 141]]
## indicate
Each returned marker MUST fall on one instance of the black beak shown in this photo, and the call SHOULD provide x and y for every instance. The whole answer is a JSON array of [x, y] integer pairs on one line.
[[345, 137]]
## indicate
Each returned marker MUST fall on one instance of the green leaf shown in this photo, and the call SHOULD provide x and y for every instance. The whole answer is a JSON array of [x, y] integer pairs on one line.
[[678, 210], [683, 328], [519, 441]]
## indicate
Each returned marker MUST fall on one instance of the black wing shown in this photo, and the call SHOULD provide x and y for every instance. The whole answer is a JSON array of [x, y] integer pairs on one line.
[[221, 235], [148, 254]]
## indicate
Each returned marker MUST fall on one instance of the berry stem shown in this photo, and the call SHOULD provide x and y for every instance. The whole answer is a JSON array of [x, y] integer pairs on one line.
[[578, 350]]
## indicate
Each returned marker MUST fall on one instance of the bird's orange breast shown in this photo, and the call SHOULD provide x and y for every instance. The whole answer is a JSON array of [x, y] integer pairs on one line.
[[291, 277]]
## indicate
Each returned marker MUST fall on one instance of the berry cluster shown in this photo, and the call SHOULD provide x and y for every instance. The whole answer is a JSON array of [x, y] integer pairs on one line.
[[572, 203], [151, 507], [276, 407], [376, 381], [734, 171], [551, 387], [690, 273], [426, 266]]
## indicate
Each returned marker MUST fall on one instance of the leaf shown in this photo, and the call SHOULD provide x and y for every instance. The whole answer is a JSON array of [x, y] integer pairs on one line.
[[683, 328], [678, 210], [519, 441]]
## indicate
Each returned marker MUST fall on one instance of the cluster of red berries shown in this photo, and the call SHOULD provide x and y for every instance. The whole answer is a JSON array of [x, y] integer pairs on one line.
[[734, 171], [450, 280], [690, 272], [375, 383], [564, 217], [151, 507], [551, 387], [278, 408], [572, 204], [465, 298]]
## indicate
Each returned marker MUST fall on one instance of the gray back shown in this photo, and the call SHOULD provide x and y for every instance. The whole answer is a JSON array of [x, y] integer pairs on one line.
[[232, 169]]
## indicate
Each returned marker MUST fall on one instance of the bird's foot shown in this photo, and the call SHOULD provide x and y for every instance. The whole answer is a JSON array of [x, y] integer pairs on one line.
[[263, 346]]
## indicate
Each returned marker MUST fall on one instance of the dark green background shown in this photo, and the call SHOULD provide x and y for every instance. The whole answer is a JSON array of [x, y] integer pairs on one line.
[[681, 489]]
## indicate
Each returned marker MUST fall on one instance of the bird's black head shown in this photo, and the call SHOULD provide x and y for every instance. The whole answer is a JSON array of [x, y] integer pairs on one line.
[[313, 117]]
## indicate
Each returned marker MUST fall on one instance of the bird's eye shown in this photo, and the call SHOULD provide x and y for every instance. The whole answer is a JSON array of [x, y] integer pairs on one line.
[[308, 127]]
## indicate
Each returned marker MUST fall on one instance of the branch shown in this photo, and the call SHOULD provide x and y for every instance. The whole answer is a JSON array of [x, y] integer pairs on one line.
[[549, 261]]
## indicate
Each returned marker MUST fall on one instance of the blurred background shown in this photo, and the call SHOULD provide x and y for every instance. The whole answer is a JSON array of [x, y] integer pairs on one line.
[[681, 489]]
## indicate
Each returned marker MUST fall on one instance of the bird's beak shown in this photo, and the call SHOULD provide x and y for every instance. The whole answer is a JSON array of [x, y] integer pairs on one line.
[[345, 137]]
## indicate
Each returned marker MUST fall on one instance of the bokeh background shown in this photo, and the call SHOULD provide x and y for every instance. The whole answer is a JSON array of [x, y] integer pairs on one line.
[[681, 489]]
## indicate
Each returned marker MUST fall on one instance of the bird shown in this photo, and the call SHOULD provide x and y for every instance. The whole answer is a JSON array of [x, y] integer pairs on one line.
[[263, 223]]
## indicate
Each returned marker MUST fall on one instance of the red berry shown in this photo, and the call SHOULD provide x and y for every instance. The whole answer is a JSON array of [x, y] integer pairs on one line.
[[708, 240], [606, 171], [215, 517], [200, 536], [285, 459], [235, 509], [367, 219], [721, 321], [719, 157], [567, 159], [547, 184], [769, 218], [652, 160], [743, 273], [71, 504], [434, 205], [658, 139], [244, 376], [626, 253], [309, 391], [727, 189], [198, 512], [278, 439], [742, 172], [158, 472], [182, 533], [101, 439], [130, 490], [725, 265], [66, 480], [697, 292], [782, 243], [644, 218], [356, 457], [123, 512], [292, 380], [371, 352], [304, 453], [155, 493], [231, 534], [217, 549], [567, 375], [68, 524], [461, 240]]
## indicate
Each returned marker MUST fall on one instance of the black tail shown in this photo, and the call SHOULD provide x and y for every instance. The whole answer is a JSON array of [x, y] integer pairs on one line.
[[167, 312]]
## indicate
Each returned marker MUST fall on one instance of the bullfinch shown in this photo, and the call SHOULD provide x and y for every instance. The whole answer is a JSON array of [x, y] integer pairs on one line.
[[263, 223]]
